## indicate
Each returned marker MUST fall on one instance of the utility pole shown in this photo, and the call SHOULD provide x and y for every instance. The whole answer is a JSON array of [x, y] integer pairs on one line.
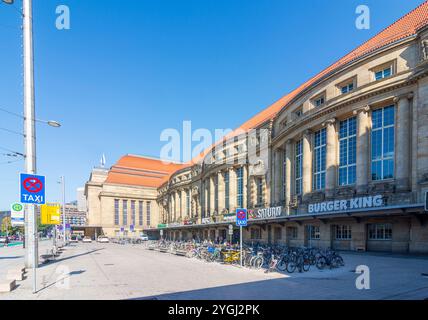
[[30, 136]]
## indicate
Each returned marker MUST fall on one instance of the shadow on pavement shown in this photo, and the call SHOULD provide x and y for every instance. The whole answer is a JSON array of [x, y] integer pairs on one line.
[[68, 258]]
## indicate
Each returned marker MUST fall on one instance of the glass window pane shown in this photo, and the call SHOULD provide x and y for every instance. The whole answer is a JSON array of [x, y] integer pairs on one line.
[[388, 169], [376, 144], [377, 119], [389, 116], [377, 170]]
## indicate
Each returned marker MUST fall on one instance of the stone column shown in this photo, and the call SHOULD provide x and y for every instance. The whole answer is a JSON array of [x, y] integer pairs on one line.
[[253, 192], [220, 181], [232, 190], [403, 145], [183, 203], [245, 186], [212, 195], [363, 152], [277, 173], [288, 165], [307, 163], [331, 158]]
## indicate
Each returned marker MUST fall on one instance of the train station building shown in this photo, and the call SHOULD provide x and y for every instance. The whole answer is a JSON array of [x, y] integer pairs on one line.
[[340, 162]]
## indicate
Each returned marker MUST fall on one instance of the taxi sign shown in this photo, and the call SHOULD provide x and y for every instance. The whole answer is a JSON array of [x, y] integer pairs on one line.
[[241, 217], [32, 189]]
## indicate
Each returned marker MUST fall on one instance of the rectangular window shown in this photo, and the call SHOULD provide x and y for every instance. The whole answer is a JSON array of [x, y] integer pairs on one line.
[[382, 74], [319, 163], [255, 234], [380, 231], [116, 212], [125, 212], [292, 232], [314, 232], [240, 187], [277, 233], [148, 213], [347, 88], [260, 191], [208, 197], [226, 190], [133, 212], [347, 151], [383, 143], [140, 212], [298, 169], [343, 232], [319, 101]]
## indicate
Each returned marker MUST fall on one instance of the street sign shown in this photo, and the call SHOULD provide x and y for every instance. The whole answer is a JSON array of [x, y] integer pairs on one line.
[[241, 217], [17, 215], [50, 214], [230, 232], [161, 232], [32, 189]]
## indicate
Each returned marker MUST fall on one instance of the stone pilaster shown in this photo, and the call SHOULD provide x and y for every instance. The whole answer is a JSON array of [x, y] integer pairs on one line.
[[277, 175], [331, 158], [221, 189], [232, 189], [212, 195], [363, 152], [403, 142], [307, 163]]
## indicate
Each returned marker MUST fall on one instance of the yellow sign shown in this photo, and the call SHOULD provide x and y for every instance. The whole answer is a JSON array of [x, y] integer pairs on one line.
[[51, 214]]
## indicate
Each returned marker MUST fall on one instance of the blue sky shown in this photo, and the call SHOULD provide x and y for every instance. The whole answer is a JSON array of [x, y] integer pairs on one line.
[[129, 69]]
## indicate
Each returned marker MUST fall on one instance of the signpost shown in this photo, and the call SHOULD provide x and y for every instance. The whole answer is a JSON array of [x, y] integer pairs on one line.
[[50, 214], [32, 192], [32, 189], [17, 215], [241, 221]]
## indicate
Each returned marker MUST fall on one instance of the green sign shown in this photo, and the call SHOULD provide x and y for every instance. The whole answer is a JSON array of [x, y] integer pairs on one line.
[[161, 226]]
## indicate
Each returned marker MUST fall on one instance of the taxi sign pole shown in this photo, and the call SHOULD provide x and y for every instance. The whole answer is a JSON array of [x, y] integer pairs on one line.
[[30, 135], [240, 228]]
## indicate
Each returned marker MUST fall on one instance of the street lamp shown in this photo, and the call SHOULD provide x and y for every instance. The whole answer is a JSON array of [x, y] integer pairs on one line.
[[31, 260]]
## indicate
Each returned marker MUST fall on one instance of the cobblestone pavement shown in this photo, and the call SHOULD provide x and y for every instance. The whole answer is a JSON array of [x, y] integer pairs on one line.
[[111, 271]]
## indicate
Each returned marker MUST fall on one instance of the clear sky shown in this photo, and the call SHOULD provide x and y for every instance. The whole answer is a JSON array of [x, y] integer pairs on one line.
[[126, 70]]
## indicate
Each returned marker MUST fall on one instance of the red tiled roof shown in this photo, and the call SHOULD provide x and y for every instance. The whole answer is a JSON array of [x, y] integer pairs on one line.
[[141, 171], [405, 27]]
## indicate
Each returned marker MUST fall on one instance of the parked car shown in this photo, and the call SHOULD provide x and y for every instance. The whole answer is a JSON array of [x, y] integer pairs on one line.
[[87, 240], [74, 239], [144, 237], [103, 239], [4, 241]]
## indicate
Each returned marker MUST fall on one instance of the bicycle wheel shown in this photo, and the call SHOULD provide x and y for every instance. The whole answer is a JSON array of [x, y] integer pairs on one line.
[[258, 262], [281, 265], [291, 266], [340, 262], [321, 263], [306, 264]]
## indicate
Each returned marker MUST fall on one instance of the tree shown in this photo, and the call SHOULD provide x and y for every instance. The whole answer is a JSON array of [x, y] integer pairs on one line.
[[6, 226]]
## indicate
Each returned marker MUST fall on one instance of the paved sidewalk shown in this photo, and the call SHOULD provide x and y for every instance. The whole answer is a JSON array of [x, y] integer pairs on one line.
[[111, 271]]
